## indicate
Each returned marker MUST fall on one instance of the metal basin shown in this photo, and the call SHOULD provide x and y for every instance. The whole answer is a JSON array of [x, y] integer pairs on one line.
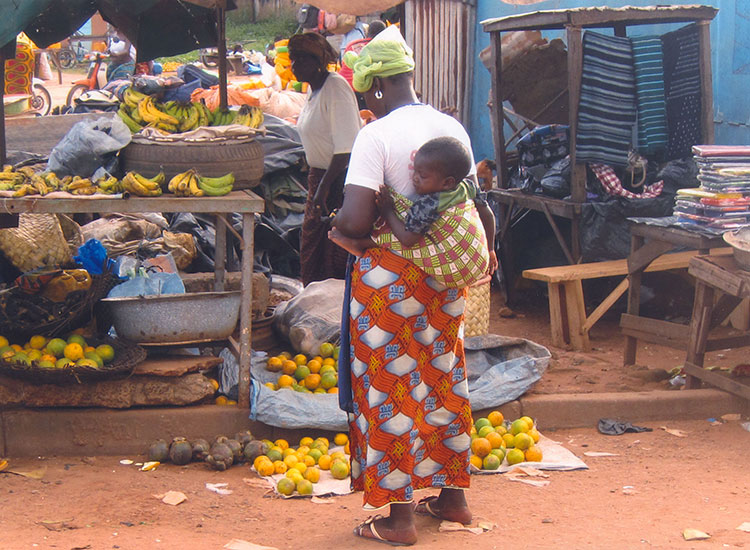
[[175, 318]]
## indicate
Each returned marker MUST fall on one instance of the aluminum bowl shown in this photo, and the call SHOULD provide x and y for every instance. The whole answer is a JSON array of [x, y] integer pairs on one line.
[[739, 240], [175, 318]]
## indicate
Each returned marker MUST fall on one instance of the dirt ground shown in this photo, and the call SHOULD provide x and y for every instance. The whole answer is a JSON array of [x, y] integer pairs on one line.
[[656, 486]]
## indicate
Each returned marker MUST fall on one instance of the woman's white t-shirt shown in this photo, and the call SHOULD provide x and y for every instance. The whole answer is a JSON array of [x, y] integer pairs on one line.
[[329, 121], [384, 150]]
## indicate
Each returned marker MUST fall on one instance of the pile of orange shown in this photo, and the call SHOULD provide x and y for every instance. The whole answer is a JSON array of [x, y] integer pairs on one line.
[[495, 440], [318, 374], [302, 466]]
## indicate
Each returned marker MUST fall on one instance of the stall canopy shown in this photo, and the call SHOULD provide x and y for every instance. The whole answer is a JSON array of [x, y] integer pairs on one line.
[[353, 7], [157, 28]]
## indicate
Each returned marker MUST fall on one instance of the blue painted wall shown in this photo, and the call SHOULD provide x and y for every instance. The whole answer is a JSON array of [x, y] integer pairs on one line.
[[730, 59]]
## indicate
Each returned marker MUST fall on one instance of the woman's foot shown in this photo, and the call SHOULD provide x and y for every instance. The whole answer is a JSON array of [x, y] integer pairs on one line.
[[450, 505], [398, 529]]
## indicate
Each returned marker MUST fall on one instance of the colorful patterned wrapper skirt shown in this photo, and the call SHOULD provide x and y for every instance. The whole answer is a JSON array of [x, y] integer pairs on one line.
[[411, 420]]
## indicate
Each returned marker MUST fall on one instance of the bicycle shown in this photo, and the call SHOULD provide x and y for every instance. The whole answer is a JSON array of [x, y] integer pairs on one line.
[[71, 55]]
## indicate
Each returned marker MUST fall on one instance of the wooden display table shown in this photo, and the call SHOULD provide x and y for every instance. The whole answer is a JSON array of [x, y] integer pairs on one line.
[[648, 242], [712, 274], [246, 203]]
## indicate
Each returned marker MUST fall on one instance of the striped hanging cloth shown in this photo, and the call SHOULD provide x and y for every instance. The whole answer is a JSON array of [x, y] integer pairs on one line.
[[648, 61], [606, 112]]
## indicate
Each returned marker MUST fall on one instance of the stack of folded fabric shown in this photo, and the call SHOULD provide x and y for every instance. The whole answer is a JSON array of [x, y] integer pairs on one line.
[[723, 198]]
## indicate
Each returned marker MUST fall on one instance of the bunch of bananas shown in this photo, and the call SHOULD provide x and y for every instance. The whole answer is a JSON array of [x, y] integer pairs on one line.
[[185, 184], [142, 186], [25, 181], [110, 185], [216, 187], [139, 110]]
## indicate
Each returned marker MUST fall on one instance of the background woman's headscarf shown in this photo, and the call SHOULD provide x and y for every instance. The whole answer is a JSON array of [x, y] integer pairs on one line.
[[313, 44], [386, 55]]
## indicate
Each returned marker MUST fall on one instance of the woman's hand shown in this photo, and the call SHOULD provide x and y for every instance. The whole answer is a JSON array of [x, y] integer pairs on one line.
[[493, 265]]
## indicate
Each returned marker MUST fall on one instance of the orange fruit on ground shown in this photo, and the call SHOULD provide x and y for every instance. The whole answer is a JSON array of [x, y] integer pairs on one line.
[[304, 449], [346, 448], [286, 486], [37, 341], [522, 441], [519, 426], [48, 357], [534, 433], [274, 454], [515, 456], [479, 423], [341, 439], [312, 381], [312, 475], [340, 455], [496, 418], [285, 381], [481, 447], [279, 467], [221, 400], [34, 354], [285, 355], [18, 348], [294, 475], [500, 453], [266, 468], [73, 351], [502, 430], [300, 359], [491, 462], [288, 367], [333, 390], [87, 349], [340, 469], [308, 460], [326, 368], [286, 452], [326, 349], [304, 487], [323, 440], [484, 430], [328, 380], [301, 372], [329, 361], [3, 341], [315, 454], [283, 443], [324, 462], [306, 441], [271, 386], [510, 440], [529, 421], [495, 439], [314, 366], [475, 461], [214, 383], [274, 364], [533, 454], [290, 460], [231, 402], [301, 467]]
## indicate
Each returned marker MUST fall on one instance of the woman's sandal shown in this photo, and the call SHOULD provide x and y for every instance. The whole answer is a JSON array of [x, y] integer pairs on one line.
[[425, 508], [366, 530]]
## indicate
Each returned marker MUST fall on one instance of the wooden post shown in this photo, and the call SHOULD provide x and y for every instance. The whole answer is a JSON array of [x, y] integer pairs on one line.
[[634, 300], [220, 252], [222, 52], [707, 91], [3, 152], [246, 310], [496, 107], [575, 66]]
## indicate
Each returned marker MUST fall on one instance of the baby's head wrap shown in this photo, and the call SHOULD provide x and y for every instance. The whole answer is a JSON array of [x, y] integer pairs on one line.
[[385, 55]]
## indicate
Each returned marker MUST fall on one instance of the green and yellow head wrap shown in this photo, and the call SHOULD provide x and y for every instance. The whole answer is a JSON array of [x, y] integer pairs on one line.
[[383, 56]]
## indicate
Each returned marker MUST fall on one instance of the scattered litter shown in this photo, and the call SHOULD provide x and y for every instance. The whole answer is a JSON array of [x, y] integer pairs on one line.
[[744, 526], [57, 524], [678, 381], [599, 453], [532, 482], [478, 527], [239, 544], [318, 500], [629, 490], [674, 431], [714, 422], [33, 474], [90, 460], [633, 443], [609, 426], [695, 534], [254, 482], [126, 462], [173, 498], [219, 488], [745, 426], [522, 473], [730, 417], [148, 466], [548, 520]]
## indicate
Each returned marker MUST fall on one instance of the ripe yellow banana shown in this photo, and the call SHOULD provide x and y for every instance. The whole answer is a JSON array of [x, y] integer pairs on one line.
[[193, 187], [150, 184], [133, 185], [78, 183], [131, 97], [179, 183]]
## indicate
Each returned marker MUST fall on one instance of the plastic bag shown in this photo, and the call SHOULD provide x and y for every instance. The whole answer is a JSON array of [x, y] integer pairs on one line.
[[89, 145], [312, 317], [149, 284], [93, 257]]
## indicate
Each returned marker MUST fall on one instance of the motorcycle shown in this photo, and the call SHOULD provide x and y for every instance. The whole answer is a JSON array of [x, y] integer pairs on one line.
[[40, 100], [93, 80]]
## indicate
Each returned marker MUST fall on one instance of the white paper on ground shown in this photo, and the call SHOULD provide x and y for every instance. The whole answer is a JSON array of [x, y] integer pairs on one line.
[[554, 457]]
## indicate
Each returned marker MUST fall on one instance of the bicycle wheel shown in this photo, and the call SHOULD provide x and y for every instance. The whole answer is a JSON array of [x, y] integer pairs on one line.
[[75, 92], [41, 101], [67, 59]]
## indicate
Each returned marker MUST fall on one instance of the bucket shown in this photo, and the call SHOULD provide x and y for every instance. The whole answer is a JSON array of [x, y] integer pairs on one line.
[[477, 312]]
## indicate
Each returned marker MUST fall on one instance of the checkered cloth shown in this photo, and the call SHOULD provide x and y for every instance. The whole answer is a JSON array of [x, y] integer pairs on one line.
[[612, 185], [453, 252]]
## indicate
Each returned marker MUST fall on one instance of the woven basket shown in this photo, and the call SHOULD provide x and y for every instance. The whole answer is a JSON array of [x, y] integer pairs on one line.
[[23, 315], [477, 312], [127, 356], [39, 241]]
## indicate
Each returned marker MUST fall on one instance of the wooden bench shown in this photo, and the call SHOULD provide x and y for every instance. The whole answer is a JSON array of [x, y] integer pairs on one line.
[[567, 310]]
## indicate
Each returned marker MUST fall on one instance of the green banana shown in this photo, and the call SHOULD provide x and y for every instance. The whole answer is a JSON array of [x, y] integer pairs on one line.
[[132, 125], [216, 187]]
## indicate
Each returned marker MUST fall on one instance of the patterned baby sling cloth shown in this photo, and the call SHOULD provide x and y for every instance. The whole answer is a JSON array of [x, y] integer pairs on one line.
[[453, 252]]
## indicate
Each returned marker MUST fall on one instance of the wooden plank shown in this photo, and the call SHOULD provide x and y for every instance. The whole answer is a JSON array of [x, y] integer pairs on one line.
[[496, 109], [639, 259], [176, 365], [556, 315], [576, 310], [558, 233], [719, 277], [720, 380], [655, 330], [700, 323], [613, 268], [727, 342], [723, 307], [678, 237], [607, 303], [575, 68], [557, 207]]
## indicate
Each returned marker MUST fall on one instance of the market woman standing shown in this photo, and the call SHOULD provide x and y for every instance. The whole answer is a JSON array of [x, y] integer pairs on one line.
[[409, 413], [327, 124]]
